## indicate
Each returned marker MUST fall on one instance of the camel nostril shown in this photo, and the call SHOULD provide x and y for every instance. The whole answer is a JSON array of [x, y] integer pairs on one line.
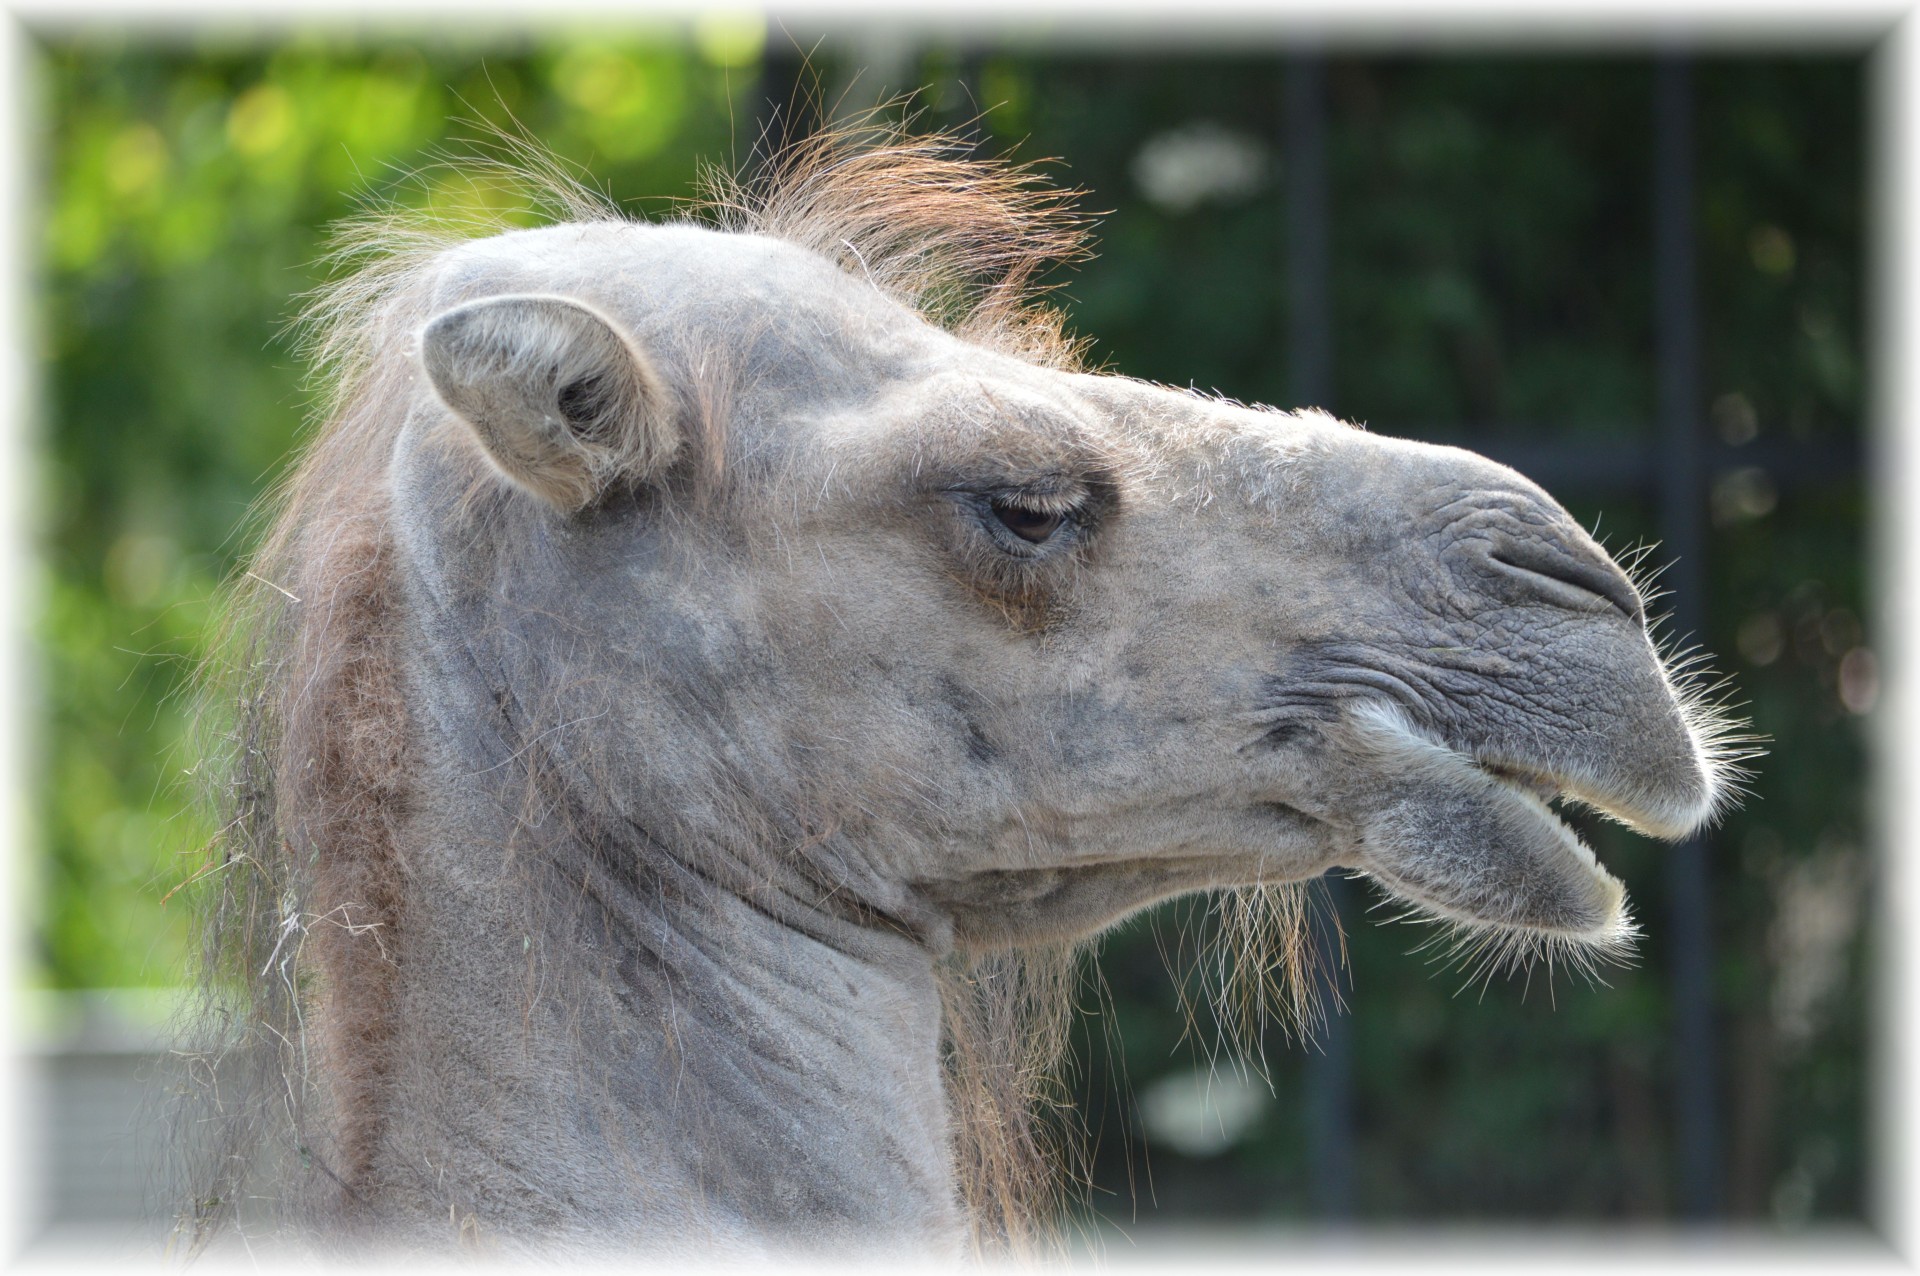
[[1554, 571]]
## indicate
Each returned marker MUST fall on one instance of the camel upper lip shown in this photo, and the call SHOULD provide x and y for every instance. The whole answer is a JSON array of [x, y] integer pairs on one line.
[[1667, 813], [1654, 789], [1550, 787]]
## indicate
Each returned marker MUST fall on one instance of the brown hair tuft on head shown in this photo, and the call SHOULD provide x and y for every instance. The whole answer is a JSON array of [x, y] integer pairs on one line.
[[965, 241]]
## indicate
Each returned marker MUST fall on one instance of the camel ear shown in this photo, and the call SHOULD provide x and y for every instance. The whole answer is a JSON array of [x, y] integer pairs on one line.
[[558, 398]]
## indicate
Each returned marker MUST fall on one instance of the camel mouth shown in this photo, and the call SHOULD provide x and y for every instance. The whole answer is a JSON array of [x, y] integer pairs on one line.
[[1477, 843], [1543, 785], [1538, 793], [1543, 791]]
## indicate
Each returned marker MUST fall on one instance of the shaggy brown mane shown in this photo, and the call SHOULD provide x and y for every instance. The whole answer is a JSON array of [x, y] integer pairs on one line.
[[304, 714]]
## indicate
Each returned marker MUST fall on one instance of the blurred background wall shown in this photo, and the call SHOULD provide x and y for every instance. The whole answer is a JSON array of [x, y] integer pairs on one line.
[[1636, 277]]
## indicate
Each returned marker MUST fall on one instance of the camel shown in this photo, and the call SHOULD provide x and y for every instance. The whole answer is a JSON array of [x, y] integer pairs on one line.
[[705, 679]]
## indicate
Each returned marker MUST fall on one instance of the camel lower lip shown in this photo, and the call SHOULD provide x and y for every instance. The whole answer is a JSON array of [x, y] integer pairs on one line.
[[1544, 790], [1474, 839]]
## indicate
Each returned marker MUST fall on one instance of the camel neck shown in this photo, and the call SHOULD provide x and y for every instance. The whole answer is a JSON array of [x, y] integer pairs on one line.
[[618, 1031], [627, 1048]]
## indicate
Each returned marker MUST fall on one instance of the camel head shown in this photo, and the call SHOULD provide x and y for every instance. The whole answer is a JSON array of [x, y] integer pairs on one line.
[[1002, 651], [702, 679]]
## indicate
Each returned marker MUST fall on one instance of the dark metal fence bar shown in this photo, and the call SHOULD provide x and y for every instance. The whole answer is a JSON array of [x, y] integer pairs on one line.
[[1683, 536], [1592, 465], [1304, 172], [1329, 1080]]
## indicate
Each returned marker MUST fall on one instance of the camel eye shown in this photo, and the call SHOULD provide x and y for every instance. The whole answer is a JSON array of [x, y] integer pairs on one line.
[[1027, 523]]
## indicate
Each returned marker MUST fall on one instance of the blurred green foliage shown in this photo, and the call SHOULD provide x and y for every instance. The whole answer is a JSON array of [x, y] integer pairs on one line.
[[1490, 246], [189, 195]]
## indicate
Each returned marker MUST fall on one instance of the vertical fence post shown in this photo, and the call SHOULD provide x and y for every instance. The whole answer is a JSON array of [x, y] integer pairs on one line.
[[1683, 538], [1304, 175], [1329, 1082]]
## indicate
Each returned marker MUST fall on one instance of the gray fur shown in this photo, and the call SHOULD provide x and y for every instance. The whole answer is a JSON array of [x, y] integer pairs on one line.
[[723, 742]]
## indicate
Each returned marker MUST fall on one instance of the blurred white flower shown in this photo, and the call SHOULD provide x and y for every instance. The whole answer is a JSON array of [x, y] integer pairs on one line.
[[1203, 1112], [1183, 168], [1817, 907]]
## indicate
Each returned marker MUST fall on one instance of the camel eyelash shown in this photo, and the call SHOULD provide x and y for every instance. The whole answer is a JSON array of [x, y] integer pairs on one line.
[[1027, 522]]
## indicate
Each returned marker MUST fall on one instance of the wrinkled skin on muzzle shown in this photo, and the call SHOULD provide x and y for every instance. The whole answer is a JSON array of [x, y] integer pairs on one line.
[[1505, 662]]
